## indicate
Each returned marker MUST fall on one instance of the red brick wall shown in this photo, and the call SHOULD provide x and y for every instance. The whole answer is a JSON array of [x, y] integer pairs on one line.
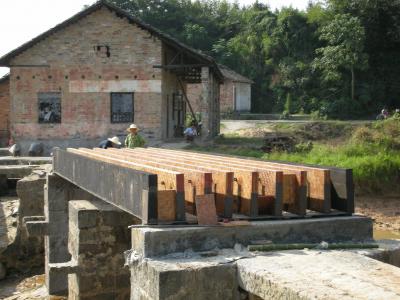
[[70, 57], [225, 96], [193, 92], [4, 111]]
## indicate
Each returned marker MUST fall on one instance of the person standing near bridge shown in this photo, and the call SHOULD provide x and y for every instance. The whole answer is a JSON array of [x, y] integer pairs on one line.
[[133, 139]]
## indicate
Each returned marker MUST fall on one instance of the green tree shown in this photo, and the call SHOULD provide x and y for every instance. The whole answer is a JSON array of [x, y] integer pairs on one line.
[[345, 38], [195, 35], [278, 50], [288, 103]]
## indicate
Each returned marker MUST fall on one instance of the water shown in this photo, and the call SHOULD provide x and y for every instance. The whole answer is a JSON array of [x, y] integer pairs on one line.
[[382, 234]]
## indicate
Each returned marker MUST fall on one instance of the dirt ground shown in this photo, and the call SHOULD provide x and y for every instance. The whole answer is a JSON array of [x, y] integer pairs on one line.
[[24, 287], [385, 211], [18, 287]]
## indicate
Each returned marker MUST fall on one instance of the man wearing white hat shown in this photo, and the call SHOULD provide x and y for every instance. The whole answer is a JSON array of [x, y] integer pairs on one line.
[[110, 143], [133, 139]]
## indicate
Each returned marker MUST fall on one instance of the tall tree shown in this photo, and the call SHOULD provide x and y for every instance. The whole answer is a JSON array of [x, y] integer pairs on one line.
[[345, 38]]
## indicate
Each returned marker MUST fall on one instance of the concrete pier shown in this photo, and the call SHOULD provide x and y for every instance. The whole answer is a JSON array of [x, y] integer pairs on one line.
[[98, 237], [58, 192]]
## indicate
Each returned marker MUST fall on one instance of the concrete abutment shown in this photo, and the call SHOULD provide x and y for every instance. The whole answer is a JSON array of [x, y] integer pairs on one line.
[[87, 239]]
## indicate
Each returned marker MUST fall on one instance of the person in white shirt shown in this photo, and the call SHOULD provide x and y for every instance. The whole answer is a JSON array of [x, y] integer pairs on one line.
[[48, 115], [190, 132]]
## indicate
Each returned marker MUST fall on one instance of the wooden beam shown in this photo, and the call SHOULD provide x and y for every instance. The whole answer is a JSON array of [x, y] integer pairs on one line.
[[318, 179], [270, 179], [245, 183], [128, 189], [182, 66], [270, 182], [244, 187], [167, 179], [222, 181], [196, 183]]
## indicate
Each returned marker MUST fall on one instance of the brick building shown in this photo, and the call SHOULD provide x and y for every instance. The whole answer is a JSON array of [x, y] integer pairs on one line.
[[92, 75], [235, 92], [4, 109]]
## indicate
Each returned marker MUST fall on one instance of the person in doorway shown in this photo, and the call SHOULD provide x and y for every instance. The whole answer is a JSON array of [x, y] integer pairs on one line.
[[133, 139], [190, 132], [48, 116], [110, 143]]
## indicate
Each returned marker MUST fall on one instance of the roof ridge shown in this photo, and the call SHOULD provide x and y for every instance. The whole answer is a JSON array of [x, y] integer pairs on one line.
[[232, 74], [5, 77], [5, 59]]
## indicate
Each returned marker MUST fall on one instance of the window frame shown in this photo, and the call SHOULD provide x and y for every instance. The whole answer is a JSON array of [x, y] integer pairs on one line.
[[40, 102], [111, 107]]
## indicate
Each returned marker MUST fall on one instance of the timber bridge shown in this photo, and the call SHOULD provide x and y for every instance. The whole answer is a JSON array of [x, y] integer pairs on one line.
[[182, 222]]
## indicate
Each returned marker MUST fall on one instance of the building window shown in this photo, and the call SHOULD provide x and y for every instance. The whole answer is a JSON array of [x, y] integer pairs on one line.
[[122, 107], [49, 106]]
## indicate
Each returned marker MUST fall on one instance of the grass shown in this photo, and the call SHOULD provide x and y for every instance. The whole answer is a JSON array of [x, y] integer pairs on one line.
[[235, 139], [372, 151]]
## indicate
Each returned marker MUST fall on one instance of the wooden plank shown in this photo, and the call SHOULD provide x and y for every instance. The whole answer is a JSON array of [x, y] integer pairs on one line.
[[269, 183], [318, 187], [167, 179], [166, 205], [206, 211], [222, 180], [290, 187]]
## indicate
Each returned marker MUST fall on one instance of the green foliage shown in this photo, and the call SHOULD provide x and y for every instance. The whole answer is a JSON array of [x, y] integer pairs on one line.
[[320, 56], [317, 115], [345, 38], [288, 104], [189, 119]]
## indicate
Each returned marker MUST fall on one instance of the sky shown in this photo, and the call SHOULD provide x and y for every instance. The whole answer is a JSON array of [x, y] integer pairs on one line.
[[22, 20]]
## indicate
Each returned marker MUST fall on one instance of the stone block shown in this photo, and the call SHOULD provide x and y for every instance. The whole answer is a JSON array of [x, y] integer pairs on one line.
[[150, 242], [57, 192], [56, 281], [87, 219], [36, 228], [318, 275], [98, 248], [184, 278], [58, 249]]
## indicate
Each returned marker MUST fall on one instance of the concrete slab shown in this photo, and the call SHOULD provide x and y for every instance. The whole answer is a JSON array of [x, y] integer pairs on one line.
[[25, 160], [16, 171], [318, 275], [153, 241], [388, 252], [185, 275]]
